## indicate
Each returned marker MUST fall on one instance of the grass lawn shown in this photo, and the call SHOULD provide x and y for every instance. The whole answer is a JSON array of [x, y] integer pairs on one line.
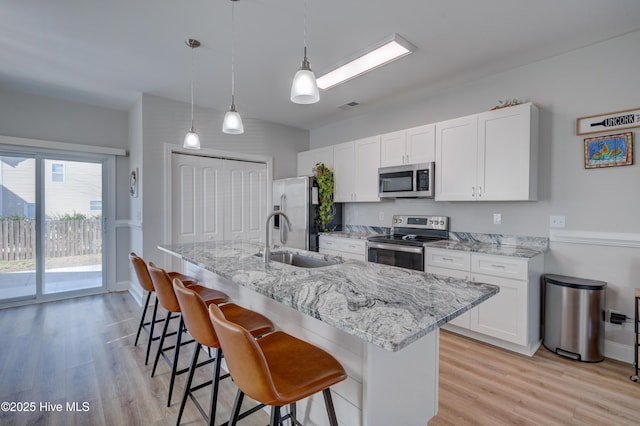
[[51, 263]]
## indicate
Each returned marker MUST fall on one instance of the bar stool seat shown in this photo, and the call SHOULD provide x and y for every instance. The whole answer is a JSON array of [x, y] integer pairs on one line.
[[167, 297], [277, 369], [144, 279], [196, 318]]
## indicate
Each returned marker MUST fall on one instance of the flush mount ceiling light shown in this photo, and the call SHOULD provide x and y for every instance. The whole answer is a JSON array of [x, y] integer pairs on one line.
[[304, 89], [192, 140], [388, 50], [232, 123]]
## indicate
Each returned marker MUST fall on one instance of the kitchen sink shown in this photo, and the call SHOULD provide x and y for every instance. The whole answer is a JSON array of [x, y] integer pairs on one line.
[[301, 260]]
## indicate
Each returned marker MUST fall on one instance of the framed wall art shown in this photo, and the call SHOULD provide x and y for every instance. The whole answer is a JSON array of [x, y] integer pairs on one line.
[[133, 183], [608, 122], [608, 151]]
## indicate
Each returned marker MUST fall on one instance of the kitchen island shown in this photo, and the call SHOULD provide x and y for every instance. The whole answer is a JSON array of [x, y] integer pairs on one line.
[[380, 322]]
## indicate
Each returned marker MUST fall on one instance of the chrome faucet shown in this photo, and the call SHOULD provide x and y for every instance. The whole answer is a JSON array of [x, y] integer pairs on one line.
[[267, 243]]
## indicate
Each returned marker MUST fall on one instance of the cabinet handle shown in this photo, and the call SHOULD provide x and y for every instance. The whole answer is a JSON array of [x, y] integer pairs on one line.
[[479, 191], [473, 191], [447, 259], [498, 266]]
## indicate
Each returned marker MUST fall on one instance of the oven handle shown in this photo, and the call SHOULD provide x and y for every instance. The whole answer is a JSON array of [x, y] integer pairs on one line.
[[394, 247]]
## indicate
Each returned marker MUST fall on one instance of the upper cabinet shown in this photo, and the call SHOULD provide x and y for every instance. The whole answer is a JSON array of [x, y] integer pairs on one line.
[[410, 146], [492, 156], [308, 159], [355, 170]]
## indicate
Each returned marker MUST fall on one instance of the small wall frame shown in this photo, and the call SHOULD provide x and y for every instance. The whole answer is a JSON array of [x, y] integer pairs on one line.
[[608, 151]]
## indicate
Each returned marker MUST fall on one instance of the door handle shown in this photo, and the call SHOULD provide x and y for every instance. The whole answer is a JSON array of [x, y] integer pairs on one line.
[[473, 191]]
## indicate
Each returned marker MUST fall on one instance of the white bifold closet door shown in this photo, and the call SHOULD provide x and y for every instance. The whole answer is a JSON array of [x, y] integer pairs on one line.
[[217, 199]]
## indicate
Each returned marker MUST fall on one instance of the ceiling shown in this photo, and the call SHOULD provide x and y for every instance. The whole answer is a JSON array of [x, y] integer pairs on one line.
[[107, 53]]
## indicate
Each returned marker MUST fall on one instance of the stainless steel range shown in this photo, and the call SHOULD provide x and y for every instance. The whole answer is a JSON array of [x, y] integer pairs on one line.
[[405, 246]]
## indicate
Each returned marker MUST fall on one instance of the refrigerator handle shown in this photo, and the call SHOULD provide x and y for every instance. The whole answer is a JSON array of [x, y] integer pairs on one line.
[[283, 229]]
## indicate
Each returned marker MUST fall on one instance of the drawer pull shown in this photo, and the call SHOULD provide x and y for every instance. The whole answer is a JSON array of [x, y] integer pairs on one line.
[[447, 259], [498, 266]]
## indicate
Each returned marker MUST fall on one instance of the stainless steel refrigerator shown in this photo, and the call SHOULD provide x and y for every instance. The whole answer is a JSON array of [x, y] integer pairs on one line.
[[298, 198]]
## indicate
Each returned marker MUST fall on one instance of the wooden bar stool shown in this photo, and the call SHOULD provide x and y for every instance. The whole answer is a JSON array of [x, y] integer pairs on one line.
[[277, 369], [196, 318], [144, 279], [167, 297]]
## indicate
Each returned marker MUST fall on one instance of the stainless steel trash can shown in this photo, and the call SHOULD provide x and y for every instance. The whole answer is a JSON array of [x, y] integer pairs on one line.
[[573, 317]]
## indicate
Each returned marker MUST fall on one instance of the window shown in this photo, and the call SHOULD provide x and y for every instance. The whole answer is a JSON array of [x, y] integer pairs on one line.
[[95, 205], [57, 172]]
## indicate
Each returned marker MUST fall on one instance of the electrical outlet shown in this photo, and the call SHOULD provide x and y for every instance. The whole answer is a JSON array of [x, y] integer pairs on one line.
[[556, 221], [381, 216], [497, 218]]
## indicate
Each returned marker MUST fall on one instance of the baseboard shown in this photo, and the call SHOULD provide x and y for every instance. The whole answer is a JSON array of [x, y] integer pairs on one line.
[[618, 351], [527, 350], [121, 286], [136, 292]]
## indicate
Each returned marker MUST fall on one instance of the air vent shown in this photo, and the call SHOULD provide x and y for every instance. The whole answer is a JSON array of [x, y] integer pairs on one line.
[[349, 105]]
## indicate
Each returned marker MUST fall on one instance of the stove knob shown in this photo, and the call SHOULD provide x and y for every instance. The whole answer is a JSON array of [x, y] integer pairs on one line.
[[430, 222]]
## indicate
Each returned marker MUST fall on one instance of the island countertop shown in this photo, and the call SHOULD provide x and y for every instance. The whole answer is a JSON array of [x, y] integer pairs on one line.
[[387, 306]]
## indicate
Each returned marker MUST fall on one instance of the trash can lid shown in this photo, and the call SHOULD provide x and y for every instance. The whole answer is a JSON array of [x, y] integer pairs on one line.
[[574, 282]]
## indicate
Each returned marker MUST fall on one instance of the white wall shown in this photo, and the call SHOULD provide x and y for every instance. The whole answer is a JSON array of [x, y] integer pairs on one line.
[[166, 122], [597, 79]]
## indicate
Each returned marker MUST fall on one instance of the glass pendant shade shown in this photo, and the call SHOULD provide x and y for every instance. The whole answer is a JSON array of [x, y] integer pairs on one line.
[[304, 89], [232, 123], [192, 140]]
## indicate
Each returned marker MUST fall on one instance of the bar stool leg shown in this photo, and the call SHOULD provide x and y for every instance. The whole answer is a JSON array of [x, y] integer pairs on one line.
[[292, 413], [153, 325], [216, 386], [333, 421], [144, 312], [275, 416], [164, 332], [187, 386], [235, 412], [174, 367]]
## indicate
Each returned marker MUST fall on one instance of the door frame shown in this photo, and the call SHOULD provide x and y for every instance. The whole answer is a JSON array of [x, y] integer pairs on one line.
[[170, 149], [79, 152]]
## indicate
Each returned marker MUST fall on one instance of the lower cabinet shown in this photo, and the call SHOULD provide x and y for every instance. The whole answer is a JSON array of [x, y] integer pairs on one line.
[[350, 248], [511, 318]]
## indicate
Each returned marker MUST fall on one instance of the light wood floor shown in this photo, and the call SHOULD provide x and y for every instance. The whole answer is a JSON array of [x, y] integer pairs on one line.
[[82, 350]]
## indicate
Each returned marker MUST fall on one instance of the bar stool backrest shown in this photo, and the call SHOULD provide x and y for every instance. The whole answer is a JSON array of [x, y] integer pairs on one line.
[[245, 359], [164, 288], [195, 315], [140, 266]]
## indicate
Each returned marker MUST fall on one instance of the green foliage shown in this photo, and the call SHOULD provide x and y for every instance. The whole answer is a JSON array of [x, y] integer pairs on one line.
[[14, 217], [326, 209], [67, 216]]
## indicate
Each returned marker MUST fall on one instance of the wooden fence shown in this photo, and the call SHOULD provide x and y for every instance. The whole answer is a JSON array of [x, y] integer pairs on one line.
[[62, 238]]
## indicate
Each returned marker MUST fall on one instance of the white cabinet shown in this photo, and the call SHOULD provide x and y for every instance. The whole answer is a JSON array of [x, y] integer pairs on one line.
[[511, 318], [410, 146], [490, 156], [355, 170], [349, 248], [308, 159]]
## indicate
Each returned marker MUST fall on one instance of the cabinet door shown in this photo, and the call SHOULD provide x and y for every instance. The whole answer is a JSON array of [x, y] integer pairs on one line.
[[392, 149], [421, 144], [344, 172], [504, 315], [456, 159], [367, 156], [308, 159], [507, 154]]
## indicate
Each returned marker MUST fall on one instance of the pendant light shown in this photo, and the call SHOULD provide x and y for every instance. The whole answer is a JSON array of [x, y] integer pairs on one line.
[[232, 123], [304, 89], [192, 140]]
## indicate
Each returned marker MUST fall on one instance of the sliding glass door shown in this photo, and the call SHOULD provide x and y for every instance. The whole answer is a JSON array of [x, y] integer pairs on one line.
[[51, 230]]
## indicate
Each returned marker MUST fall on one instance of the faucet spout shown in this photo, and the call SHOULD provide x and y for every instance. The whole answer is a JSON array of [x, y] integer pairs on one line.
[[267, 242]]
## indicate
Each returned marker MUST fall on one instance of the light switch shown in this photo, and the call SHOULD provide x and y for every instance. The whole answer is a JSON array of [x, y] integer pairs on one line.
[[556, 221], [497, 218]]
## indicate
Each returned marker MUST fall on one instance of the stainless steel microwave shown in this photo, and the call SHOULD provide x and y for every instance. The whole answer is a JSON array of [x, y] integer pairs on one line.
[[407, 181]]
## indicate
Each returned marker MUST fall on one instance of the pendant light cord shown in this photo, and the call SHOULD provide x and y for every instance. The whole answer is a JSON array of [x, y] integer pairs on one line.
[[233, 79], [304, 31], [191, 87]]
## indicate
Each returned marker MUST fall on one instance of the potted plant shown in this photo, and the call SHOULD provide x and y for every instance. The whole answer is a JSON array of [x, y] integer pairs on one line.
[[326, 210]]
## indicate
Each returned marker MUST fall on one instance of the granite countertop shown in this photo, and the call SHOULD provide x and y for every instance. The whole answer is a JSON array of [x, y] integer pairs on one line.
[[387, 306], [487, 248], [358, 235]]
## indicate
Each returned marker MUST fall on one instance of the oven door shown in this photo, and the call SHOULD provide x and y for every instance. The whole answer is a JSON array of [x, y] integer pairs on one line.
[[409, 257]]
